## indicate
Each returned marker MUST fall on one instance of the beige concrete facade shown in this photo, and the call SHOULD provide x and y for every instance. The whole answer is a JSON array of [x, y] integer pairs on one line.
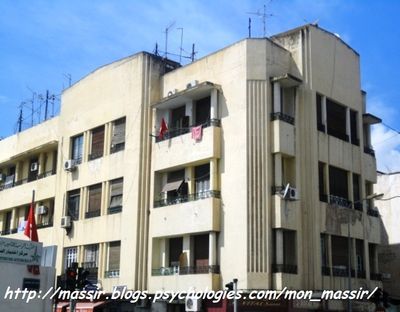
[[197, 213]]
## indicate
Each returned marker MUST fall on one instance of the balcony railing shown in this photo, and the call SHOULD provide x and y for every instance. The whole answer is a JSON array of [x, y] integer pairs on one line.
[[283, 117], [375, 276], [115, 209], [338, 134], [284, 268], [176, 270], [92, 214], [13, 183], [186, 198], [369, 151], [340, 201], [358, 206], [373, 212], [325, 270], [111, 273], [172, 133], [8, 231], [44, 224]]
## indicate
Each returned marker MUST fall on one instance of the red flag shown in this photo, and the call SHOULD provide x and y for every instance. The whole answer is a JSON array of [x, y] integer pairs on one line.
[[30, 227], [163, 129]]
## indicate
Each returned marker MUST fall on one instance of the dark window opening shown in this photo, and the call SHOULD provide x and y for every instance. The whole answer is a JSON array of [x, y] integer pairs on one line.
[[175, 251], [325, 255], [338, 186], [321, 182], [353, 128], [94, 201], [116, 192], [356, 192], [320, 124], [118, 135], [340, 255], [73, 204], [7, 223], [288, 262], [202, 179], [202, 112], [33, 169], [360, 258], [179, 122], [336, 120], [201, 249]]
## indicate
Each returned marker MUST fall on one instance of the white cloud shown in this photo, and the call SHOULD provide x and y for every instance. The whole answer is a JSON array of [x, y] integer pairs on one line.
[[386, 144]]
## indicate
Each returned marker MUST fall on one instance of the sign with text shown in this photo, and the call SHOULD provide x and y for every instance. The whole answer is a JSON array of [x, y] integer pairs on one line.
[[20, 251]]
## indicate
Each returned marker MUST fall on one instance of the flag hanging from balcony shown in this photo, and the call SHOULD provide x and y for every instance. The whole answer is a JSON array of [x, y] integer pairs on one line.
[[31, 232], [163, 129]]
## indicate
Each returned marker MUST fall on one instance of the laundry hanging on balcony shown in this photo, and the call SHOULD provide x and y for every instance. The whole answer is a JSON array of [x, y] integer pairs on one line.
[[197, 133], [163, 129]]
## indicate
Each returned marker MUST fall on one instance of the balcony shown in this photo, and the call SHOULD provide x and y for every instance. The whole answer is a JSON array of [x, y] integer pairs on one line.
[[8, 231], [13, 183], [194, 213], [44, 225], [111, 274], [339, 201], [283, 134], [186, 270], [179, 148], [373, 212]]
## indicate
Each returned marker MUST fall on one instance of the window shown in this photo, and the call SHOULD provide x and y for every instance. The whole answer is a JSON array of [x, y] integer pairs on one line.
[[338, 186], [340, 255], [73, 200], [285, 251], [202, 179], [118, 135], [325, 255], [7, 223], [70, 256], [91, 261], [203, 111], [353, 128], [201, 250], [97, 146], [33, 169], [336, 119], [116, 191], [114, 254], [179, 122], [94, 201], [77, 148], [289, 171], [175, 251], [360, 258], [176, 187], [321, 182], [373, 264], [320, 124]]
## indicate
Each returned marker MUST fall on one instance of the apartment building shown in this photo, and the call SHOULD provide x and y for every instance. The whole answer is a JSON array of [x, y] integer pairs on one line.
[[261, 172]]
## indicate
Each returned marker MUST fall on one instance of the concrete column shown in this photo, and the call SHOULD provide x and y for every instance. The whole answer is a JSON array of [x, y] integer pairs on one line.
[[212, 248], [326, 176], [376, 269], [190, 178], [42, 163], [214, 174], [277, 97], [107, 138], [323, 110], [350, 184], [214, 104], [348, 129], [189, 111], [278, 169], [14, 219], [279, 246], [164, 252], [102, 260], [353, 254], [83, 202], [86, 145], [187, 248], [105, 198], [18, 170]]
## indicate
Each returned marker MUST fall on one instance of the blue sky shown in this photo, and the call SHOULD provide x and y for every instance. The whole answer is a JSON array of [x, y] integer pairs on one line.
[[43, 41]]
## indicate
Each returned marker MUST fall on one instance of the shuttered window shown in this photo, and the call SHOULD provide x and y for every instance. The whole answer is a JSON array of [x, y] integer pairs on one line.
[[70, 256], [94, 201], [114, 254], [97, 147], [73, 204], [118, 135], [91, 256], [116, 193], [77, 148]]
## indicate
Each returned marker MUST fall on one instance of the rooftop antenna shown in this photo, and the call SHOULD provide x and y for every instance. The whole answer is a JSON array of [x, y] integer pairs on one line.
[[166, 37], [69, 77], [263, 16], [249, 27], [193, 53], [156, 49], [180, 49]]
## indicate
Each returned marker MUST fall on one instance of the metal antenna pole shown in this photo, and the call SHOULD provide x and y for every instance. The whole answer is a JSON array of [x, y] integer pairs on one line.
[[47, 104], [249, 27], [180, 49], [166, 38]]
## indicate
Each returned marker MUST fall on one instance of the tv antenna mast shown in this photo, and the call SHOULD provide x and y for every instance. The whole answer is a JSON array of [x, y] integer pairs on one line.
[[263, 16], [166, 37]]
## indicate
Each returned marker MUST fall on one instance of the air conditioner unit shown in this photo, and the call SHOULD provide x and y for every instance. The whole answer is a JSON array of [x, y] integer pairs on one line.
[[69, 165], [66, 222], [192, 304], [172, 92], [293, 194], [192, 84], [41, 210], [34, 166]]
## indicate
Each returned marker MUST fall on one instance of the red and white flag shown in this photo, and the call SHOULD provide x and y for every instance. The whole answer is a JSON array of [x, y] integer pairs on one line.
[[31, 232], [163, 129]]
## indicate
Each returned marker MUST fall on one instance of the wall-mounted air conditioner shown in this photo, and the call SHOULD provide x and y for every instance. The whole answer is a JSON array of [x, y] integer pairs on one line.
[[192, 304], [192, 84], [34, 166], [69, 165], [293, 193], [41, 210], [66, 222]]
